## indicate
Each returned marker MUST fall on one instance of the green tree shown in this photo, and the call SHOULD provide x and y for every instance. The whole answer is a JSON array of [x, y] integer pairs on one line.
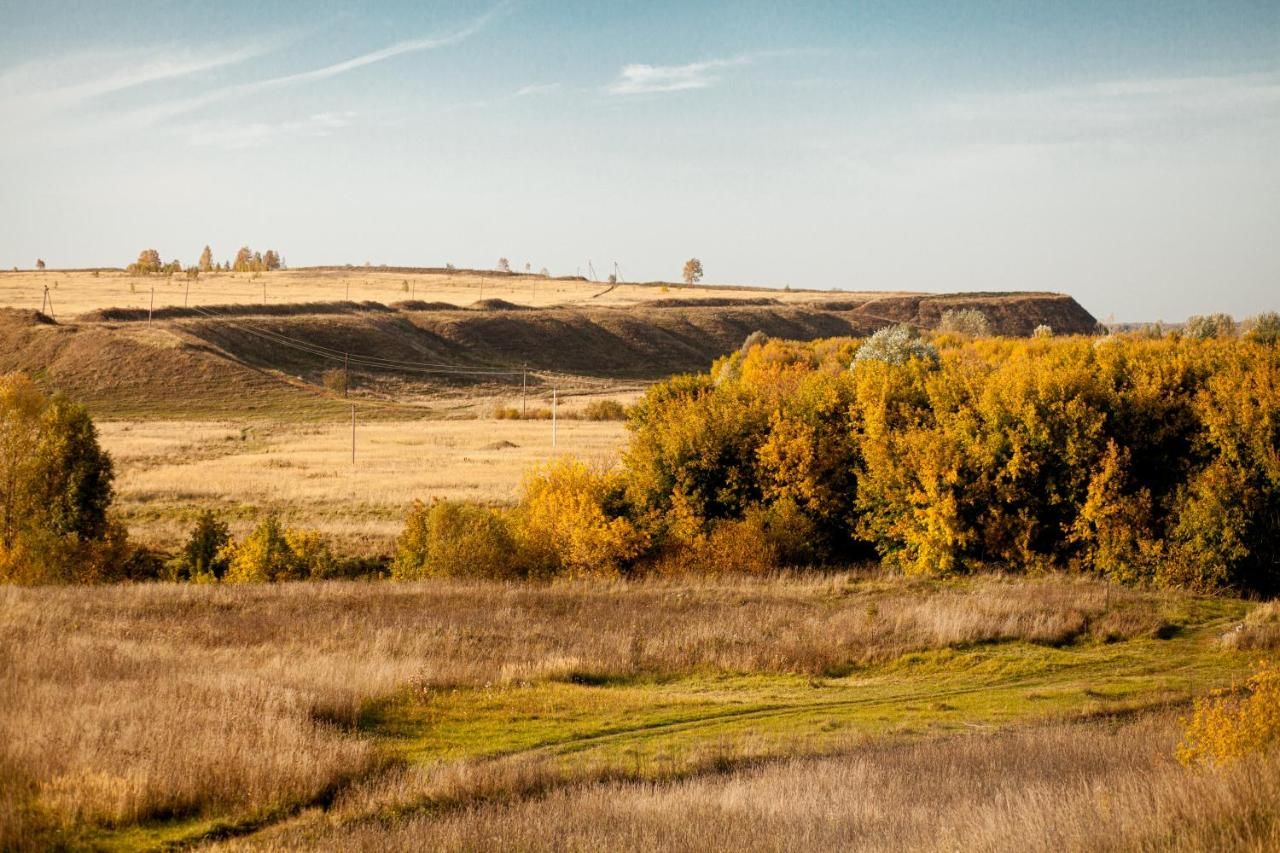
[[55, 489], [692, 272], [205, 552]]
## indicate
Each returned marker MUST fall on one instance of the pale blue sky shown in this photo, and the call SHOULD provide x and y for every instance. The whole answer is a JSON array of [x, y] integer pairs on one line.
[[1127, 153]]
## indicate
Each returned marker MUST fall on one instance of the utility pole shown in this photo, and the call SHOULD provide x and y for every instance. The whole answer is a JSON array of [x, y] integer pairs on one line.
[[186, 294], [413, 289], [553, 419], [524, 390], [264, 291], [353, 435], [348, 290], [482, 288], [45, 301], [152, 308], [346, 373]]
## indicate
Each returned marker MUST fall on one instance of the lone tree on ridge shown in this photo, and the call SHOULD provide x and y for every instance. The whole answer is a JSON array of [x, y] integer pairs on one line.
[[692, 271]]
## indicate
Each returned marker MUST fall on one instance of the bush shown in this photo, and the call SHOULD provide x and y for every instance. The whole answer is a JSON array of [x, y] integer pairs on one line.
[[206, 555], [1225, 728], [453, 539], [271, 553], [605, 410], [965, 321], [1204, 327], [571, 521], [1042, 331], [896, 345], [1263, 329], [335, 380]]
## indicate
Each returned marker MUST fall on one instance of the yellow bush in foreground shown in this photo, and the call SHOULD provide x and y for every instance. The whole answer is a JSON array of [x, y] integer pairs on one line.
[[1226, 728]]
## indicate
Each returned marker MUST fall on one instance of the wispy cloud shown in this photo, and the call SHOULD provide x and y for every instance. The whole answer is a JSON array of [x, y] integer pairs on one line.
[[162, 111], [238, 136], [47, 85], [536, 89], [639, 79]]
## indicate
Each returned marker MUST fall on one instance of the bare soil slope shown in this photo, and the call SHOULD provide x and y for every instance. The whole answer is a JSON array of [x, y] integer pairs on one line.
[[246, 358]]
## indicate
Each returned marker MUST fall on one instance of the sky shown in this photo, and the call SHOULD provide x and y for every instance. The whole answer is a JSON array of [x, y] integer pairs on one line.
[[1126, 153]]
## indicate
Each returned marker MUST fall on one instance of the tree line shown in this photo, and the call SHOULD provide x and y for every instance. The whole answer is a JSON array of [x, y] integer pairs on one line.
[[246, 260], [1146, 458]]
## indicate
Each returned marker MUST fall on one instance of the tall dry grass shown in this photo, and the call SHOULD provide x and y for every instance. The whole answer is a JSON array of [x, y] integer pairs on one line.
[[1066, 787], [167, 471], [127, 703]]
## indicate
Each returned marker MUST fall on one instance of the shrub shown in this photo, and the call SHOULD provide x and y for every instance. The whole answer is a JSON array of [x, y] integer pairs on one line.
[[571, 520], [1225, 728], [1042, 331], [1263, 329], [206, 555], [896, 345], [605, 410], [1204, 327], [335, 380], [965, 321], [454, 539], [506, 413], [272, 553]]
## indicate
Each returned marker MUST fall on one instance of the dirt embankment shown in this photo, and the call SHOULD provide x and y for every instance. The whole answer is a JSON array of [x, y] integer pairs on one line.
[[242, 358]]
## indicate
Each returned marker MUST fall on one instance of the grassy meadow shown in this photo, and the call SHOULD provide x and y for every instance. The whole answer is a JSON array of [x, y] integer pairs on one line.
[[581, 715], [169, 470]]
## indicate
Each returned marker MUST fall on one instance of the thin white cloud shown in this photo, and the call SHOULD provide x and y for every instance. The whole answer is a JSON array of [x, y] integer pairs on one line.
[[163, 111], [536, 89], [639, 79], [239, 136], [47, 85]]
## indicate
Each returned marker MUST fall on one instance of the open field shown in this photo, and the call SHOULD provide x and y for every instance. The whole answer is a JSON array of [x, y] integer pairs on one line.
[[362, 715], [169, 471], [76, 292]]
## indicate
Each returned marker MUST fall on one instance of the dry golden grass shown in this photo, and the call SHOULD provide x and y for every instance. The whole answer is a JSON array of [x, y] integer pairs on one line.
[[1259, 631], [76, 293], [1064, 787], [120, 704], [167, 471]]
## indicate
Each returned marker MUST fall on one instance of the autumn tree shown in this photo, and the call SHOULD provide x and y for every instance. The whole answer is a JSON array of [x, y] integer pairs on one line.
[[55, 487], [504, 265], [206, 260], [270, 260], [148, 262], [692, 272], [244, 260]]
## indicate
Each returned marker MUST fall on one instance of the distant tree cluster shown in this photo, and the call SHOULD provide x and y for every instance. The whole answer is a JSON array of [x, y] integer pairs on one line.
[[247, 260], [251, 261]]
